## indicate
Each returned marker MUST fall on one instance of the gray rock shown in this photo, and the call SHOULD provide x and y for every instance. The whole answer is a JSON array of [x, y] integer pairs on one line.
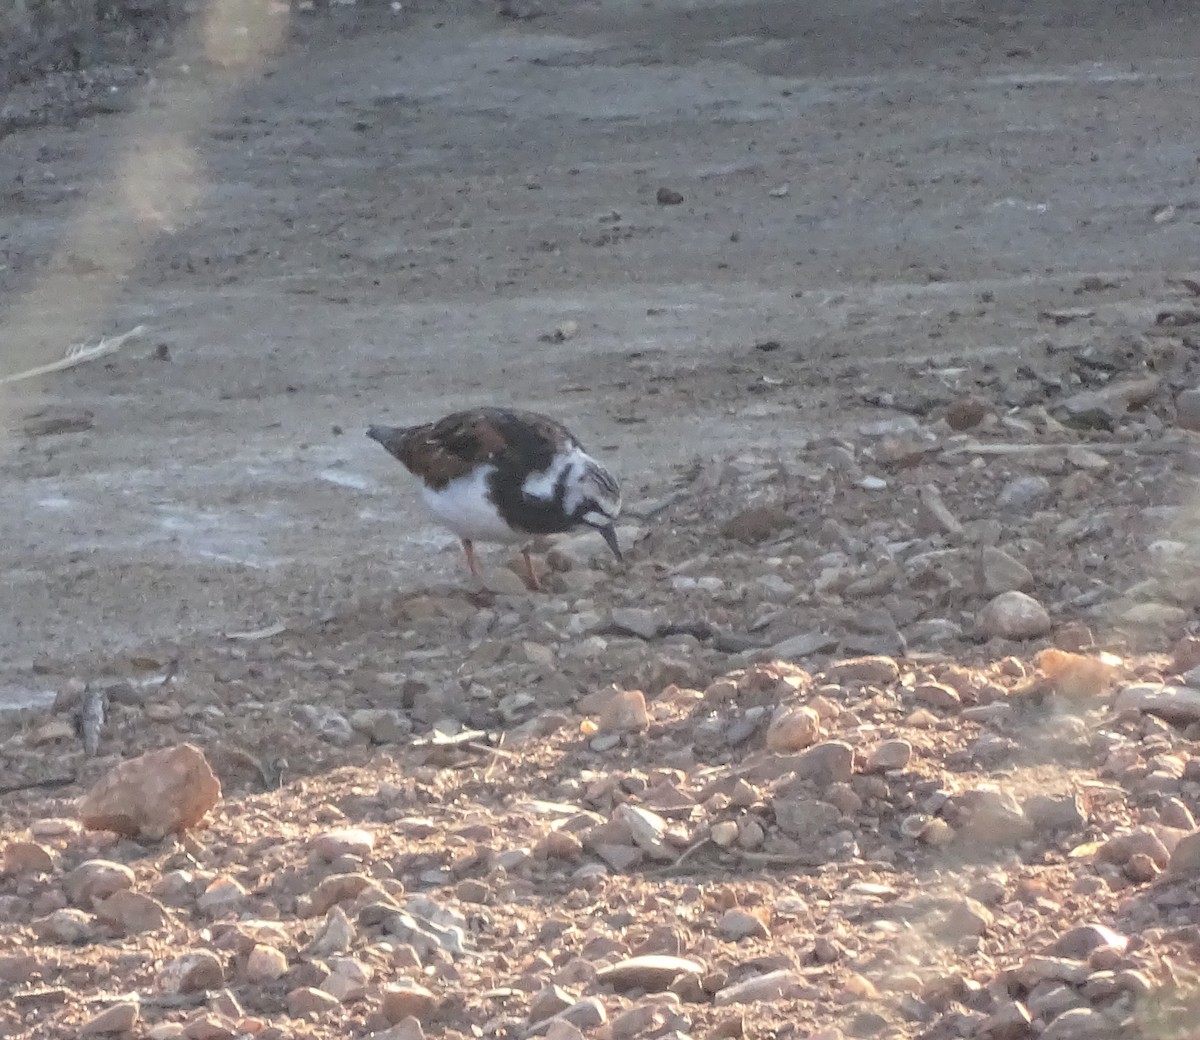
[[741, 729], [623, 712], [1013, 615], [423, 935], [1055, 812], [97, 879], [991, 749], [800, 647], [876, 669], [117, 1018], [584, 1014], [892, 427], [1024, 493], [652, 972], [193, 972], [585, 547], [1081, 1024], [1141, 841], [502, 582], [551, 1001], [1185, 859], [1048, 1000], [792, 728], [132, 912], [891, 754], [27, 857], [775, 588], [326, 722], [1176, 704], [514, 707], [65, 926], [882, 643], [994, 817], [381, 725], [826, 763], [1173, 813], [968, 917], [1040, 968], [1010, 1021], [1080, 941], [1155, 615], [1002, 573], [985, 714], [736, 925], [223, 895], [938, 695], [984, 531], [1187, 410], [933, 632], [804, 817], [771, 986], [637, 621], [1102, 409], [647, 829]]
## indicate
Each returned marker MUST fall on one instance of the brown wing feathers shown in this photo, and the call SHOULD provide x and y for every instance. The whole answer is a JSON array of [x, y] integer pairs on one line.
[[440, 452]]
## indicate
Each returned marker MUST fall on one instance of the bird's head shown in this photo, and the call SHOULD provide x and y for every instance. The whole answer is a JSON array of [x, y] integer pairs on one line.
[[596, 502]]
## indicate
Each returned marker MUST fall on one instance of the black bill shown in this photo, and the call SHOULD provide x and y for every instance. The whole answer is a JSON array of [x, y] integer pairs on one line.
[[609, 534]]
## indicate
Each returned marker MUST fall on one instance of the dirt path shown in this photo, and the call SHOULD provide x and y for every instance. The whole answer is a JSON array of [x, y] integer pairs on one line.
[[386, 226]]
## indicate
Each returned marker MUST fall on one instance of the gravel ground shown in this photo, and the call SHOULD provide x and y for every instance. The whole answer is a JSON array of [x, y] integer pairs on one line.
[[889, 726]]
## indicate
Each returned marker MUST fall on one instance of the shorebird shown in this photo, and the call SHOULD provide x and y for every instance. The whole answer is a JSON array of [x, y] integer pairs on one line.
[[504, 475]]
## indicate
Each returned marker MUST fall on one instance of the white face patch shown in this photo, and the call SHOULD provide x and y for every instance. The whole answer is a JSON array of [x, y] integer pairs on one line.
[[595, 518], [541, 485], [604, 493], [581, 485]]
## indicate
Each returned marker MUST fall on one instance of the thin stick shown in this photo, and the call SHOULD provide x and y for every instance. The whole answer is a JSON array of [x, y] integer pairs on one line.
[[683, 857], [32, 785], [497, 754], [1099, 447], [76, 355]]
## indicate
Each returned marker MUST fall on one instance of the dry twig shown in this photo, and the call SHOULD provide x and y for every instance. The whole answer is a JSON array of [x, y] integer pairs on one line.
[[77, 354]]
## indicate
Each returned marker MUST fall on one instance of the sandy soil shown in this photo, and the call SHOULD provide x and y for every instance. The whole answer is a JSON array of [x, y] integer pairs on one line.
[[382, 224], [819, 286]]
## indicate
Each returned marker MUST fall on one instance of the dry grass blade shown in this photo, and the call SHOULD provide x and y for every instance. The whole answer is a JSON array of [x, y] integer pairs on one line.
[[77, 354]]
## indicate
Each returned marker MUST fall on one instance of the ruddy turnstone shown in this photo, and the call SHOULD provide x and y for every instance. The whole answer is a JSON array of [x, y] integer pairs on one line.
[[503, 475]]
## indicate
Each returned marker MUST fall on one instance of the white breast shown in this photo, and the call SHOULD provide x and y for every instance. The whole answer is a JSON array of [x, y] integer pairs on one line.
[[463, 506]]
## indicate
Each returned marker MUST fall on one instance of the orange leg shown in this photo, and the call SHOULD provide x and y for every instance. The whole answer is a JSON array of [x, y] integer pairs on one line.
[[532, 581], [469, 549]]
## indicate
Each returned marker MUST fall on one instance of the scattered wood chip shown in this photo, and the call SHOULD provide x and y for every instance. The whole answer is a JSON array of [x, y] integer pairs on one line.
[[1066, 315], [1192, 285], [1175, 319], [258, 633], [51, 421]]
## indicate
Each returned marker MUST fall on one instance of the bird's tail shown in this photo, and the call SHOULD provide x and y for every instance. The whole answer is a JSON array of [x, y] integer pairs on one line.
[[395, 439], [389, 436]]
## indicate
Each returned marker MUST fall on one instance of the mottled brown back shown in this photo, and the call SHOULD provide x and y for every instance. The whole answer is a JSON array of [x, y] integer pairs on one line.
[[442, 451]]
